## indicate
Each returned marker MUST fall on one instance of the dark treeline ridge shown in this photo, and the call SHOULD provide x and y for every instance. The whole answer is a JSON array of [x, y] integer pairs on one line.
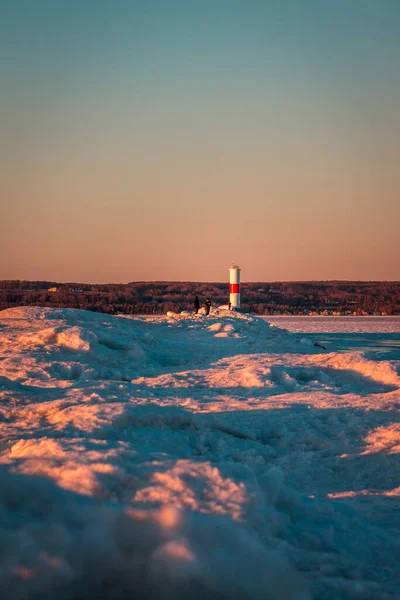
[[156, 297]]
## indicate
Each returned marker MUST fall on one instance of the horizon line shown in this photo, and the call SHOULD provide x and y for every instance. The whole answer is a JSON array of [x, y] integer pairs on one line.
[[202, 281]]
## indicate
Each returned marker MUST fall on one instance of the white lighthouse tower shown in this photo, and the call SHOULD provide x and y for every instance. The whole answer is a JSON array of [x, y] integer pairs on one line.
[[234, 287]]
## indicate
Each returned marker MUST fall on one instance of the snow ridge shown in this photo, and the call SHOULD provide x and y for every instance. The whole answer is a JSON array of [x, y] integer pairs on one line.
[[193, 457]]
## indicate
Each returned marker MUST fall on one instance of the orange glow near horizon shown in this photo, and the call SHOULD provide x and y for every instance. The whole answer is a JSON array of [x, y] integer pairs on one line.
[[264, 136]]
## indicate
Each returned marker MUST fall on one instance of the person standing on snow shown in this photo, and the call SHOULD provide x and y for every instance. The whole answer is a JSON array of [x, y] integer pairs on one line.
[[207, 306], [196, 305]]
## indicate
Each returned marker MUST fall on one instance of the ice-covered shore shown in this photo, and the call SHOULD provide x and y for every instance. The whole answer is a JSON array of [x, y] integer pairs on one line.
[[193, 457]]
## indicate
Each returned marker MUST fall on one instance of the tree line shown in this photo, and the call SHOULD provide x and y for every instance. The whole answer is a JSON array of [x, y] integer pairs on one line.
[[157, 297]]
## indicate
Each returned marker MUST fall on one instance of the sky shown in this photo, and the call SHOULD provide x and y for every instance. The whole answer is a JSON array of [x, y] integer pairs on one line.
[[162, 140]]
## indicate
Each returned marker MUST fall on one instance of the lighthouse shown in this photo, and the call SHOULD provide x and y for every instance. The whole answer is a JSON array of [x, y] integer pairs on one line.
[[234, 287]]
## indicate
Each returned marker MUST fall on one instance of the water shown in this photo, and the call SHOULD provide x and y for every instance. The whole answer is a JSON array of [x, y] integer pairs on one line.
[[377, 337]]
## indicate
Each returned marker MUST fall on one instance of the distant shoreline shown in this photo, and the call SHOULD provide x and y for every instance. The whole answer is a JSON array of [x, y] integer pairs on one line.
[[325, 298]]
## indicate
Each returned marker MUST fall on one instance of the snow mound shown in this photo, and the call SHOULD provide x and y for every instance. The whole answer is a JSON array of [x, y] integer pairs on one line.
[[384, 439], [383, 371], [61, 545], [41, 337], [74, 338], [193, 456], [197, 486]]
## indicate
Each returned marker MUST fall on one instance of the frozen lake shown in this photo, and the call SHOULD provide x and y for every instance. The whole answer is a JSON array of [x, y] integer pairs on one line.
[[378, 337]]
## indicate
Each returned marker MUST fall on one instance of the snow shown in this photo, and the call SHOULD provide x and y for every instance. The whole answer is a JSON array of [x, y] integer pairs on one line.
[[194, 457], [376, 337], [349, 324]]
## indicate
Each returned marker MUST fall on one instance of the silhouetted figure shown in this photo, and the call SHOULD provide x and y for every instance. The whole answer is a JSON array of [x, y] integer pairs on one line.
[[207, 306], [229, 305], [196, 305]]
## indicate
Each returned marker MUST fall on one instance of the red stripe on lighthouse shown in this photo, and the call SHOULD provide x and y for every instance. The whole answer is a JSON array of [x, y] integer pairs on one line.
[[235, 288]]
